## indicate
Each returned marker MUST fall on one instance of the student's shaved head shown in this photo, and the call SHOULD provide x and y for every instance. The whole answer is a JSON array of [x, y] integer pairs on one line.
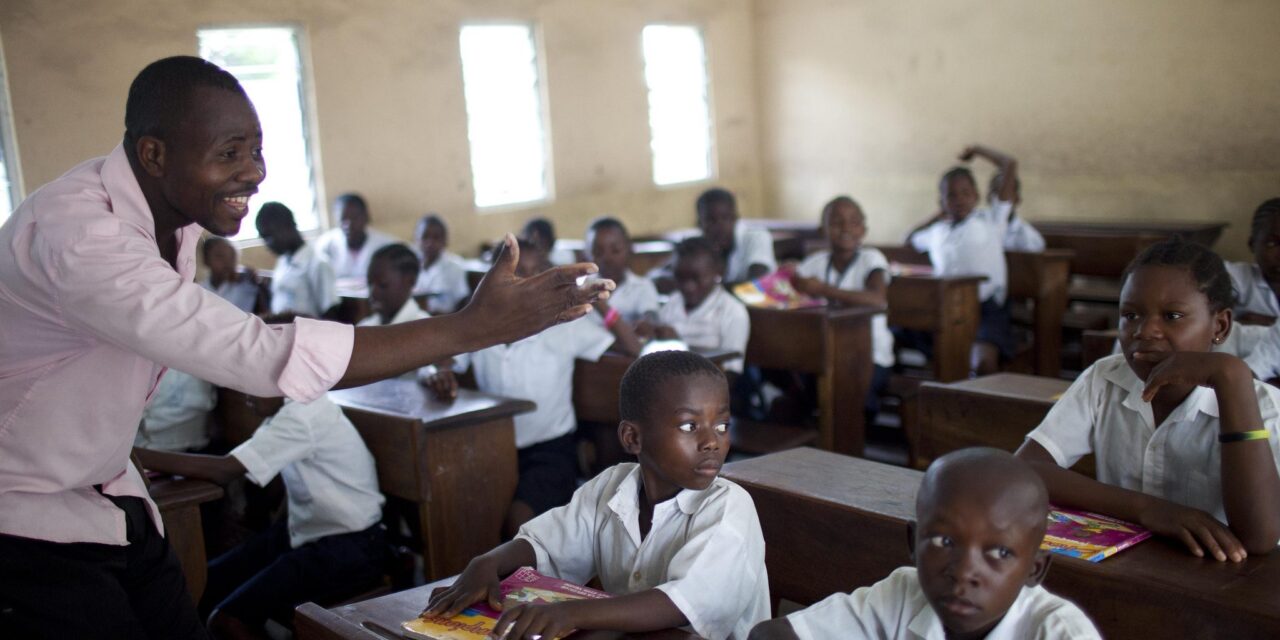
[[1008, 487]]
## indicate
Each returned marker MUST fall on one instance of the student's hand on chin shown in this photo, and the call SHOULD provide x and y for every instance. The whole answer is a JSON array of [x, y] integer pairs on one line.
[[479, 581], [1200, 532], [549, 621], [512, 308], [1182, 367]]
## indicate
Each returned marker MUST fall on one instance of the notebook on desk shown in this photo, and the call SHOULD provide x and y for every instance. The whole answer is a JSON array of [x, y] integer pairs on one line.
[[477, 621], [1089, 536]]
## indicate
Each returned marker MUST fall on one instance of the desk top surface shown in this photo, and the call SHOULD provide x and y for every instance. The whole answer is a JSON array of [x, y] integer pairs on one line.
[[408, 399], [1124, 227], [1011, 385], [173, 493]]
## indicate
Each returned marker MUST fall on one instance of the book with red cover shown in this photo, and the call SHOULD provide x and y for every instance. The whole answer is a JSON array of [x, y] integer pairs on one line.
[[477, 621], [774, 291], [1089, 536]]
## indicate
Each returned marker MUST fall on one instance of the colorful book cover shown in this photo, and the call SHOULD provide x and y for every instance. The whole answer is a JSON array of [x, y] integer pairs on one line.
[[774, 291], [1089, 536], [477, 621]]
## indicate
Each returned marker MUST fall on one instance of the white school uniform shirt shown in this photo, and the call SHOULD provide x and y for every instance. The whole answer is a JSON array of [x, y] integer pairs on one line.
[[539, 368], [409, 312], [854, 278], [1253, 294], [243, 293], [972, 246], [1017, 234], [897, 608], [332, 246], [751, 245], [1103, 413], [720, 322], [328, 472], [705, 550], [444, 283], [177, 417], [303, 283], [1257, 345], [633, 298]]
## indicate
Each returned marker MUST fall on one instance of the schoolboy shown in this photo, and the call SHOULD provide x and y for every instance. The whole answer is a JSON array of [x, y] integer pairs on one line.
[[442, 279], [177, 416], [701, 312], [329, 546], [1019, 235], [349, 247], [393, 270], [225, 279], [609, 246], [981, 515], [961, 242], [747, 251], [539, 368], [1256, 282], [303, 282], [542, 235], [674, 543]]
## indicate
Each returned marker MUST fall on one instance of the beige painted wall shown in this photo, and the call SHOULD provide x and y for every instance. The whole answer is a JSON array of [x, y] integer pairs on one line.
[[1141, 109], [387, 87]]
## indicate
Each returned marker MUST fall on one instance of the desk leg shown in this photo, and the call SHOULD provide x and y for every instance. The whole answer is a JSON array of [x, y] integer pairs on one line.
[[1050, 306], [953, 342], [182, 528], [468, 476], [844, 385]]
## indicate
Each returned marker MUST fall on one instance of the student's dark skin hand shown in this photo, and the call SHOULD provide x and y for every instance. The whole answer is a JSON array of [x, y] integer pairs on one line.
[[478, 582], [809, 286], [664, 332], [444, 384], [775, 629], [645, 330], [1198, 530]]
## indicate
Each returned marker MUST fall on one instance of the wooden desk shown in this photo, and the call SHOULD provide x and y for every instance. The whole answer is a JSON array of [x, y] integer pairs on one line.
[[945, 306], [346, 622], [455, 460], [596, 384], [833, 343], [179, 501], [1105, 248], [1042, 278], [847, 517], [992, 411]]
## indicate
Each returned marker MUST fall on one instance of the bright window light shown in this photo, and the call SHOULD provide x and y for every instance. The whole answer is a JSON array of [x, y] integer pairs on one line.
[[266, 62], [504, 114], [8, 200], [9, 196], [675, 70]]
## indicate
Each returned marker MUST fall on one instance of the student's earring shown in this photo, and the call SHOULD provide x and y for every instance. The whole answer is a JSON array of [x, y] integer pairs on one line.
[[1217, 340]]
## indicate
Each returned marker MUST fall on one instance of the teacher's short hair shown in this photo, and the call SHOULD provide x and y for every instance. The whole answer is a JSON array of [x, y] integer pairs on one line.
[[161, 93]]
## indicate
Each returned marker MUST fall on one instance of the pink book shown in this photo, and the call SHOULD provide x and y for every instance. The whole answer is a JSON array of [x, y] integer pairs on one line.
[[774, 291], [1089, 536], [477, 621]]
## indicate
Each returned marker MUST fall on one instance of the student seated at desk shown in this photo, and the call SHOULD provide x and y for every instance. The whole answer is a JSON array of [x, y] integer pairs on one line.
[[542, 234], [539, 368], [330, 545], [393, 270], [961, 241], [302, 282], [241, 289], [980, 517], [747, 252], [349, 247], [177, 417], [850, 274], [1256, 283], [674, 543], [1185, 439], [609, 246], [443, 279]]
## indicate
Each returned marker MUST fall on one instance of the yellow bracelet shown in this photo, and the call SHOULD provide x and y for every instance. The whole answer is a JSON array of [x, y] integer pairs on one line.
[[1244, 436]]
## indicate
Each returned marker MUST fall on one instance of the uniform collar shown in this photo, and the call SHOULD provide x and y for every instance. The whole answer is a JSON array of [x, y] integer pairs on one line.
[[927, 625], [625, 502], [1115, 369]]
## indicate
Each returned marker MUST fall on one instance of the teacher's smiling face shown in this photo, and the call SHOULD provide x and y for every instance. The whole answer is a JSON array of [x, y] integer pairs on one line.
[[211, 161]]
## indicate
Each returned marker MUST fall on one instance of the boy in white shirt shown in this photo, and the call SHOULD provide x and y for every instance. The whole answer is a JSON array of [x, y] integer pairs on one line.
[[302, 282], [393, 270], [981, 517], [963, 242], [349, 247], [330, 545], [1256, 300], [542, 235], [609, 246], [1019, 235], [443, 278], [701, 312], [747, 251], [240, 289], [676, 544], [538, 368], [177, 418]]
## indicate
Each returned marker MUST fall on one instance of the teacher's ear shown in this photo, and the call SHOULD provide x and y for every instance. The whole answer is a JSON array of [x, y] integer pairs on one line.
[[151, 155]]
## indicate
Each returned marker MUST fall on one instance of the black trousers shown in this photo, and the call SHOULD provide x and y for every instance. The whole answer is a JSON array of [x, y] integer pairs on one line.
[[87, 590]]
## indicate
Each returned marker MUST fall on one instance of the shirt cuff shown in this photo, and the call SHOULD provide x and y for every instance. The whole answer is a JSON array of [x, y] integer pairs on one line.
[[672, 589], [321, 353], [542, 560], [256, 469], [1051, 447]]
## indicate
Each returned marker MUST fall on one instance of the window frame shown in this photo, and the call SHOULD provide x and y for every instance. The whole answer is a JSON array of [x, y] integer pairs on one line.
[[8, 141], [713, 147]]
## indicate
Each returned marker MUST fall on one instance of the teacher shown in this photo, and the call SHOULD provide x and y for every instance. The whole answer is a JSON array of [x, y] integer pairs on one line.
[[97, 298]]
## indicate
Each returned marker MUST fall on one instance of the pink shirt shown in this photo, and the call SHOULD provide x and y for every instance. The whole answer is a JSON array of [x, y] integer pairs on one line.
[[90, 316]]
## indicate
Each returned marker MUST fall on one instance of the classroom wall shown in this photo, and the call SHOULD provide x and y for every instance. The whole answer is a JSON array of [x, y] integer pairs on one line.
[[1144, 109], [387, 87]]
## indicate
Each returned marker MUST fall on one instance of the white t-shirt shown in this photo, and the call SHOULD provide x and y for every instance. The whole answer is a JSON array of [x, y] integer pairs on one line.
[[332, 246], [634, 297], [444, 283], [303, 283], [972, 246], [1103, 413], [704, 550], [177, 417], [328, 472], [720, 322], [751, 245], [539, 368], [1257, 345], [896, 608], [243, 293], [854, 278], [1018, 234], [407, 313], [1253, 294]]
